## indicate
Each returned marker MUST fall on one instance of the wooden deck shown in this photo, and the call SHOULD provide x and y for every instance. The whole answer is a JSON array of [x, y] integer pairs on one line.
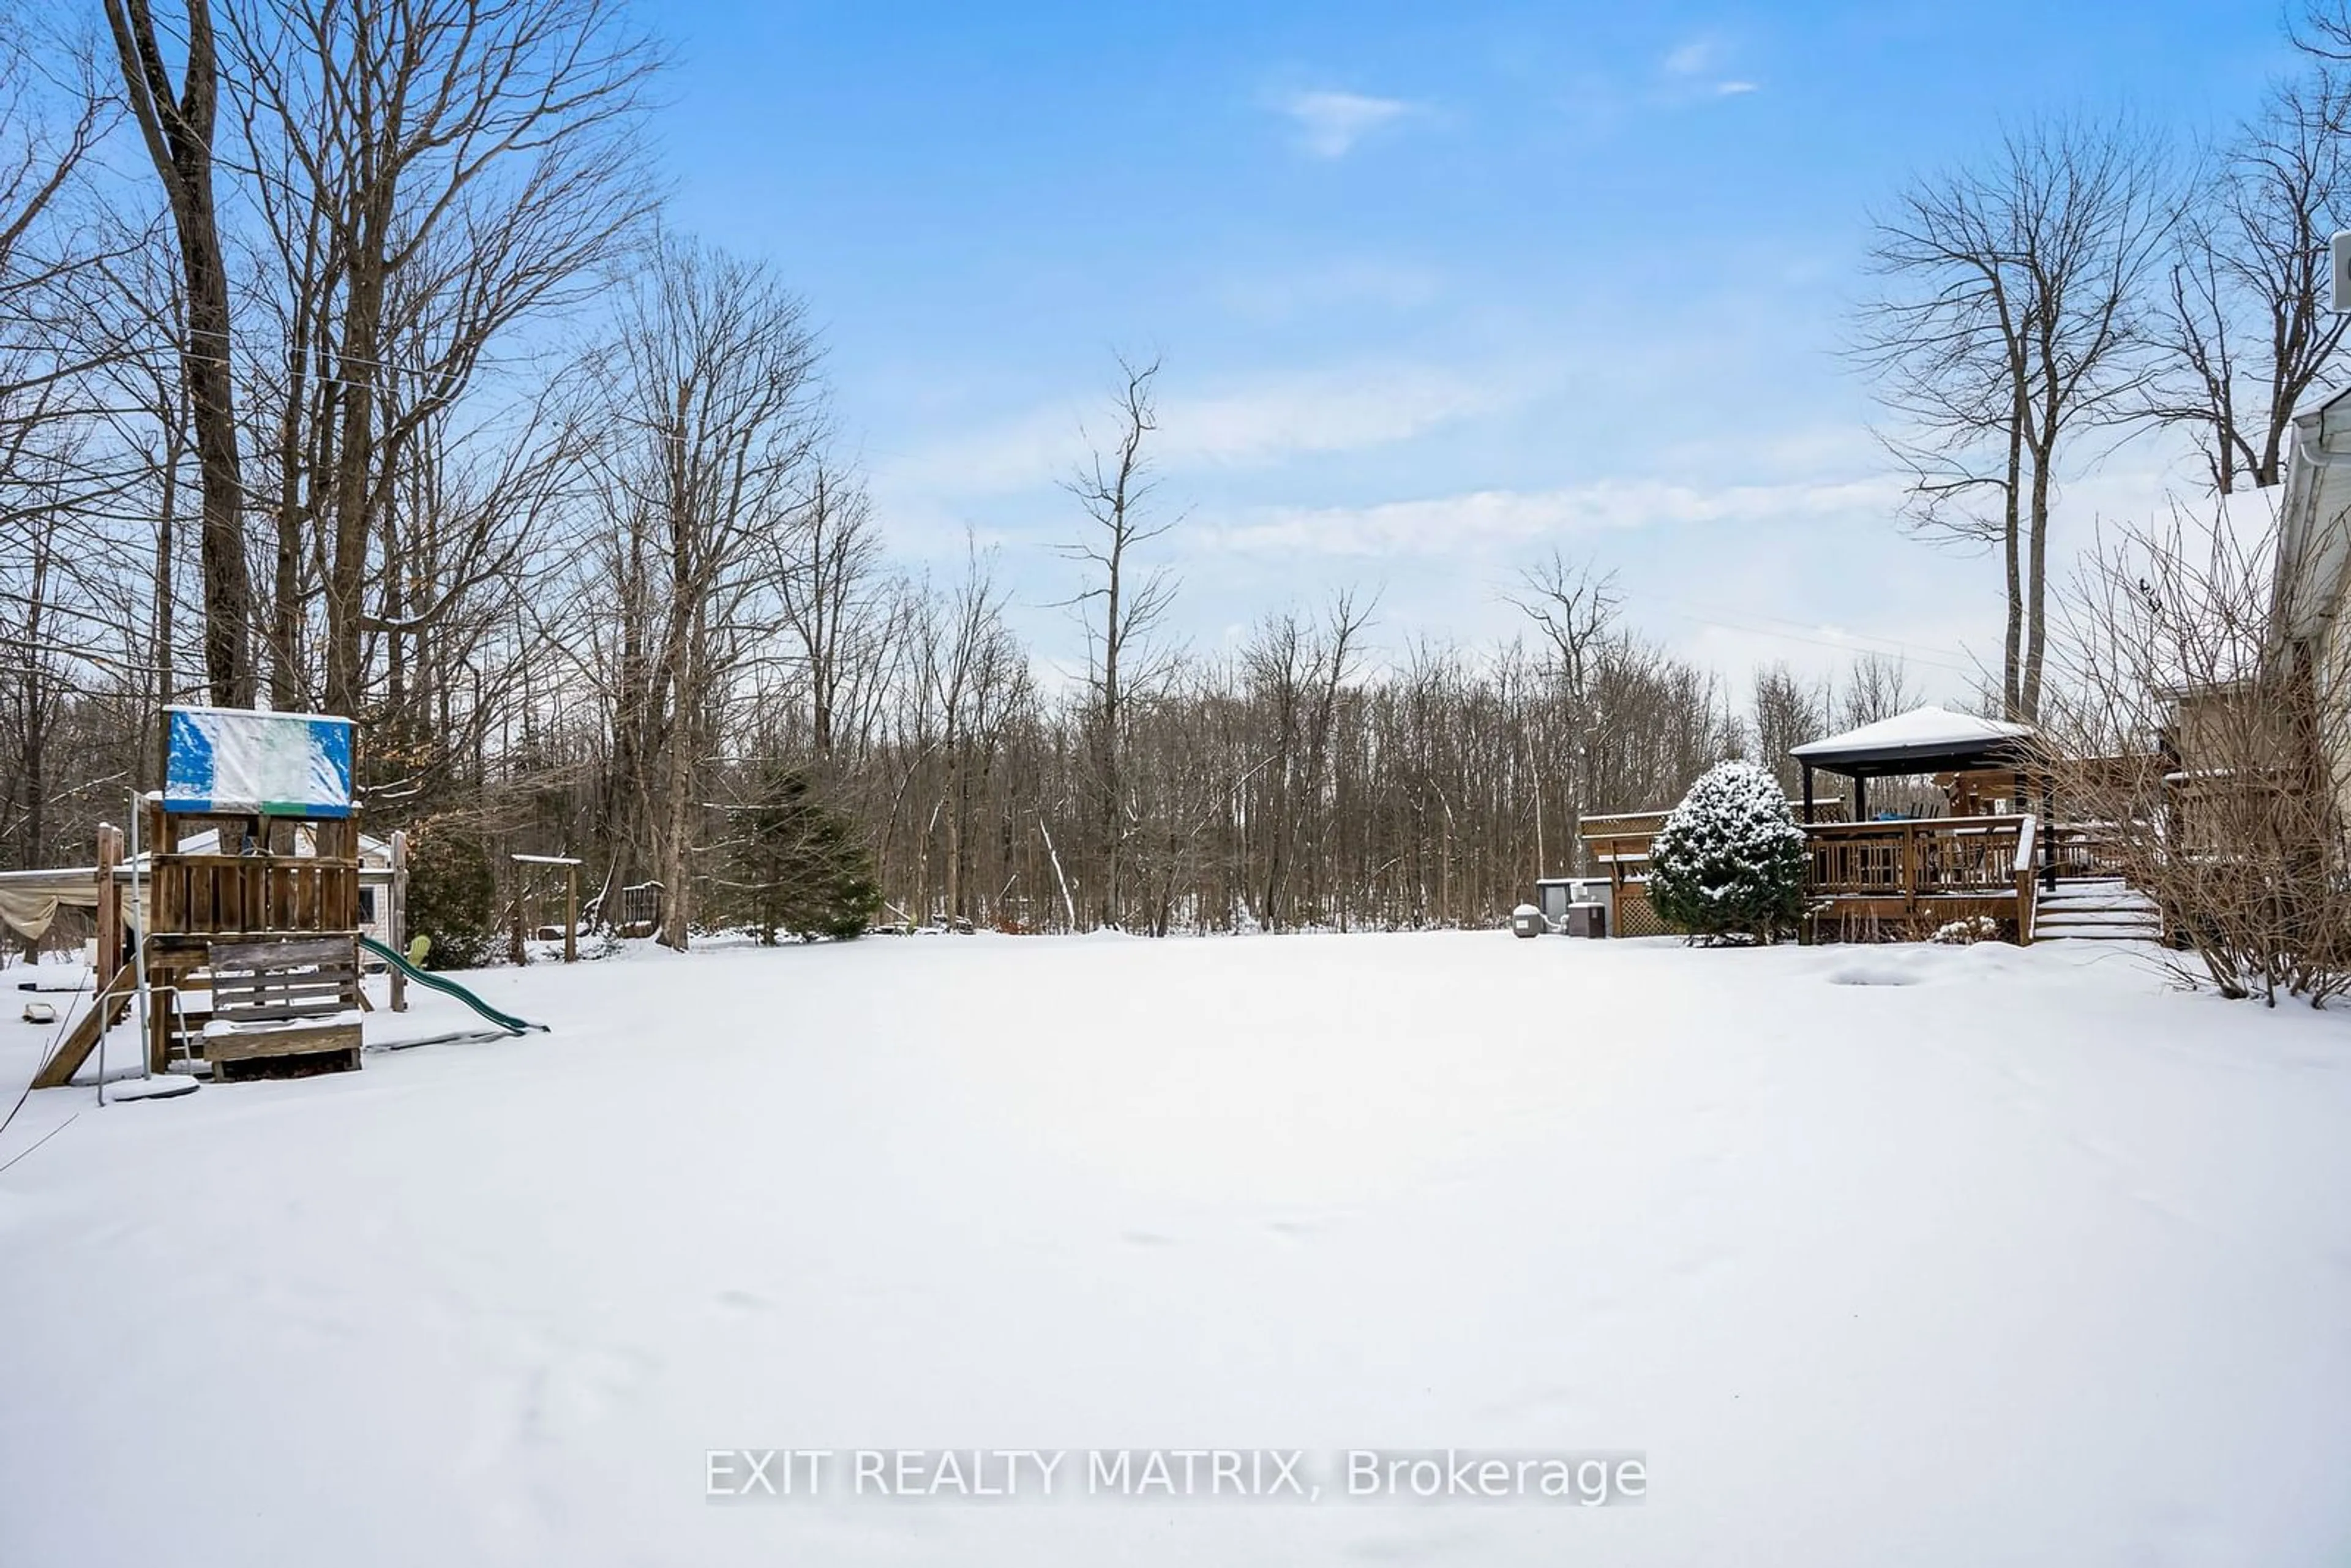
[[1866, 880], [1619, 847], [1907, 879]]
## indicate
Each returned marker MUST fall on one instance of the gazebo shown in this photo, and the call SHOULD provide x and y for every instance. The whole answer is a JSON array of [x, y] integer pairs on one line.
[[1974, 866], [1924, 740], [1914, 871]]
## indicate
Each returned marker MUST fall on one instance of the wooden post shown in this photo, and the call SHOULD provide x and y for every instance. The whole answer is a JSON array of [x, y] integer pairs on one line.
[[1808, 794], [164, 913], [2048, 836], [1616, 889], [110, 909], [572, 914], [2025, 906], [395, 918], [1907, 878]]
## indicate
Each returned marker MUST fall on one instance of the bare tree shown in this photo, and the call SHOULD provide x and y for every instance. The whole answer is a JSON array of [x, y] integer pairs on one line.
[[1295, 672], [1877, 686], [1574, 607], [133, 307], [2322, 32], [2207, 756], [2010, 324], [1786, 714], [178, 126], [966, 658], [830, 584], [1115, 489], [2247, 329], [434, 171], [714, 382]]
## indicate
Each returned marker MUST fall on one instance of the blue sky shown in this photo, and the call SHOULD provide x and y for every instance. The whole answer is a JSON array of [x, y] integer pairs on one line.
[[1436, 287]]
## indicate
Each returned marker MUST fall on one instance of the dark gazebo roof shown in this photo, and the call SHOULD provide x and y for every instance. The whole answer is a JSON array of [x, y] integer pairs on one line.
[[1924, 740]]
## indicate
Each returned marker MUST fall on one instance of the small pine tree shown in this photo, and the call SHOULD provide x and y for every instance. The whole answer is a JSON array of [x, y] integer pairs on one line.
[[801, 864], [452, 895], [1729, 861]]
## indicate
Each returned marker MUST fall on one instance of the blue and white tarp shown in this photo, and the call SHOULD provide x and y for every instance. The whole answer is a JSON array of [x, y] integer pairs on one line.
[[242, 760]]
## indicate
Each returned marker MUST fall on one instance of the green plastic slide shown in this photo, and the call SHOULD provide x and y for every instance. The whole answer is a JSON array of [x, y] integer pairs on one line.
[[506, 1022]]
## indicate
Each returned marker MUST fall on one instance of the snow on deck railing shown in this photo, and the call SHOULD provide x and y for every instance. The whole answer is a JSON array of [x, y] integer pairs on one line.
[[1914, 857], [1892, 827], [2024, 836]]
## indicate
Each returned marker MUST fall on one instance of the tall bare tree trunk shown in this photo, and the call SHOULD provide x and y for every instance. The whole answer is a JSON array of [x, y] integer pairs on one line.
[[677, 821], [2016, 318], [179, 134], [2036, 594], [166, 519], [2012, 667], [360, 356], [1113, 490]]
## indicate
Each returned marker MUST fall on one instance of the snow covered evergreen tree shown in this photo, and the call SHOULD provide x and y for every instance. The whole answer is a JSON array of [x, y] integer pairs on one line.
[[452, 889], [799, 863], [1729, 861]]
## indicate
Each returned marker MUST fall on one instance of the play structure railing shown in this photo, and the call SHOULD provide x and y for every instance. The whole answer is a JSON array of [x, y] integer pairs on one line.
[[234, 895]]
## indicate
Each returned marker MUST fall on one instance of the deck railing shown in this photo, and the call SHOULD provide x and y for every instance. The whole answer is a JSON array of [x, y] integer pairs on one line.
[[2092, 849], [1937, 867], [1622, 839], [1916, 857]]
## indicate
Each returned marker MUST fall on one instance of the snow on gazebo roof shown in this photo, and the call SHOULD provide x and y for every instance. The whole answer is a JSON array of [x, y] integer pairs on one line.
[[1920, 739]]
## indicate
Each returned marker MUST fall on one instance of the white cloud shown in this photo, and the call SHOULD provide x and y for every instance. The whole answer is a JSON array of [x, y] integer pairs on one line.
[[1333, 411], [1485, 519], [1695, 58], [1031, 449], [1695, 67], [1331, 123], [1254, 423]]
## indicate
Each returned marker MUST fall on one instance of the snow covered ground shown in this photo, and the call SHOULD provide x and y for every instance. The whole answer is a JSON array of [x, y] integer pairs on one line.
[[1895, 1255]]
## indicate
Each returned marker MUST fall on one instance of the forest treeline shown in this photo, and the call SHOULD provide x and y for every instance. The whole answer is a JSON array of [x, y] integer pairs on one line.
[[348, 364]]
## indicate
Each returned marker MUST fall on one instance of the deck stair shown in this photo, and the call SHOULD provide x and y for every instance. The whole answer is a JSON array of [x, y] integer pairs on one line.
[[2095, 909]]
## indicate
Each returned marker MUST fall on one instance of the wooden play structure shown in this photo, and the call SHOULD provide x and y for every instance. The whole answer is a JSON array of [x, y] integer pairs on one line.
[[269, 920], [273, 1000], [242, 921]]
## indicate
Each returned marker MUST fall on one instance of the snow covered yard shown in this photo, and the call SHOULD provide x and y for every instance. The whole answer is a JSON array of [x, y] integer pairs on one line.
[[1898, 1256]]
